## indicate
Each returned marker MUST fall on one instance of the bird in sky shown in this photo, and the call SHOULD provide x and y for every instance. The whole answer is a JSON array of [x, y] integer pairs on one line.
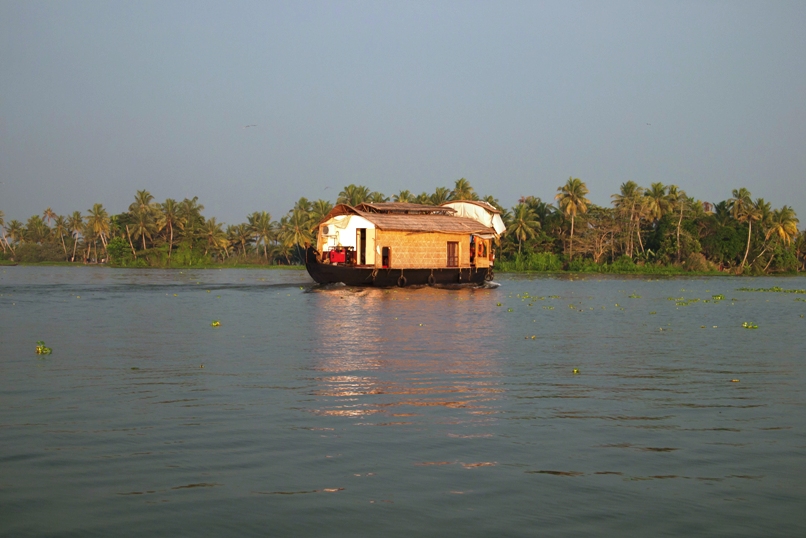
[[248, 126]]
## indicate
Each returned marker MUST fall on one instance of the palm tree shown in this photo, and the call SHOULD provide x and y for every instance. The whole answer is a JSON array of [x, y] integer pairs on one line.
[[571, 200], [143, 201], [143, 225], [169, 218], [744, 210], [190, 214], [523, 224], [144, 212], [263, 229], [240, 233], [75, 223], [320, 210], [423, 199], [353, 195], [16, 232], [377, 198], [214, 236], [98, 223], [36, 230], [440, 196], [303, 204], [60, 228], [463, 191], [657, 203], [784, 225], [678, 202], [490, 199], [403, 197], [295, 229], [3, 240], [49, 215], [627, 203]]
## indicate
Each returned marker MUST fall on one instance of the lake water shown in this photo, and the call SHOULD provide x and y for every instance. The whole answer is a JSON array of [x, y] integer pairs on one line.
[[413, 412]]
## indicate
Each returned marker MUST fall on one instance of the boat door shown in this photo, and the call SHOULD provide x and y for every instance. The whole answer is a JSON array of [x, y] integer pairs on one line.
[[365, 245], [361, 245]]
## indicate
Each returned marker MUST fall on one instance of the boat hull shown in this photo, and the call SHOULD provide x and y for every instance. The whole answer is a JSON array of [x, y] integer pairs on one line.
[[324, 273]]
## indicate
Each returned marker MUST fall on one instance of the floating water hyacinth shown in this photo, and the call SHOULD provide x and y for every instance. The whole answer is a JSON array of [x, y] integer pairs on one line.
[[749, 325], [719, 297], [215, 323], [634, 296], [776, 289], [42, 349]]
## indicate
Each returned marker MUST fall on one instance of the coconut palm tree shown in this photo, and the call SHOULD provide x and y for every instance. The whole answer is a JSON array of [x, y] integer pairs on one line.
[[295, 229], [490, 199], [3, 240], [214, 236], [143, 201], [423, 198], [49, 215], [744, 210], [190, 214], [98, 223], [353, 195], [440, 196], [36, 230], [16, 232], [60, 228], [240, 234], [377, 198], [263, 230], [320, 210], [627, 202], [143, 225], [75, 223], [571, 200], [657, 203], [168, 219], [523, 224], [784, 225], [463, 191], [679, 203], [403, 197]]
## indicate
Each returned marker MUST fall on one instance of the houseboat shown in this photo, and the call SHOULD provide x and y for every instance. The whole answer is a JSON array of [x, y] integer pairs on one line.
[[402, 244]]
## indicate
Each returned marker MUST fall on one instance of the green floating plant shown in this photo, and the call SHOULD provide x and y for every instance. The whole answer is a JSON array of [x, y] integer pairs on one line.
[[775, 289], [42, 349], [749, 325]]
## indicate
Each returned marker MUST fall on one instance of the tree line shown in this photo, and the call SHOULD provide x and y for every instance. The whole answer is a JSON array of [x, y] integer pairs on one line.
[[655, 228]]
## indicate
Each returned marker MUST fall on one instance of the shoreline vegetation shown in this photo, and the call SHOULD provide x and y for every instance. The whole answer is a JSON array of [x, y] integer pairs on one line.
[[658, 230]]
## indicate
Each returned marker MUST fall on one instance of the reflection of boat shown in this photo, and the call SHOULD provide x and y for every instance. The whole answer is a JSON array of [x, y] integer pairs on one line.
[[401, 244]]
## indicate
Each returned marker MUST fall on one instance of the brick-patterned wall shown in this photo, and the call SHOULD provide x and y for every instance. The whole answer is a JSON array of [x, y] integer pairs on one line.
[[421, 250]]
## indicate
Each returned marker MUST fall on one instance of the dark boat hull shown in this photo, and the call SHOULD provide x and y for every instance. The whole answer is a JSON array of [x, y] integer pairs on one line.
[[324, 273]]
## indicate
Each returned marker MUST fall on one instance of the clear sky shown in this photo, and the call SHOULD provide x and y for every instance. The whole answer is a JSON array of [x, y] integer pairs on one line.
[[100, 99]]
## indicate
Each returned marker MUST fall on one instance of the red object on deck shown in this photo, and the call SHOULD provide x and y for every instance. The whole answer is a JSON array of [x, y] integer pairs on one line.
[[337, 256]]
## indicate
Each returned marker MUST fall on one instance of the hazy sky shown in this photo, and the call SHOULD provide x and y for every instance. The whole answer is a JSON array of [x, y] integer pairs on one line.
[[100, 99]]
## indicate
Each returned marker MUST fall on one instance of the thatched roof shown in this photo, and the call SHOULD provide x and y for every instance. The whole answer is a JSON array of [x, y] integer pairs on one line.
[[415, 222], [426, 223], [402, 207]]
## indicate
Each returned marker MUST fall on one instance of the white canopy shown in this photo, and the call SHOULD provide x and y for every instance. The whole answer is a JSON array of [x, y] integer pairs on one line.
[[476, 211]]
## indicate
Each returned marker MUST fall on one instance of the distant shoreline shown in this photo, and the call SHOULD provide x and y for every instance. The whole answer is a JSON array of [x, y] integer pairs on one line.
[[653, 272]]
